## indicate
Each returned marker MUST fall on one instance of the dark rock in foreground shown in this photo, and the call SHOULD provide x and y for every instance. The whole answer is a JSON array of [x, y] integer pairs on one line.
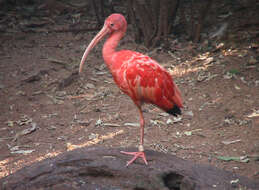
[[104, 169]]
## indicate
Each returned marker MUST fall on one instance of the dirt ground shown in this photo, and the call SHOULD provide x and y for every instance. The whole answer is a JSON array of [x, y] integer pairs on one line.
[[45, 109]]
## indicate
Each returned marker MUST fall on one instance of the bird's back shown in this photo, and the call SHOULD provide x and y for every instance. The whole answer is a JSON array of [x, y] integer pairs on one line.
[[144, 80]]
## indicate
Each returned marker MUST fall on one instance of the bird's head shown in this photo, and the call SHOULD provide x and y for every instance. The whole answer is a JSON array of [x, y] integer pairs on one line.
[[114, 23]]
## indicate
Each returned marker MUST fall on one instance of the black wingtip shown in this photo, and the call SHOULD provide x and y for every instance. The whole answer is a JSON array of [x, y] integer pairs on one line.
[[175, 111]]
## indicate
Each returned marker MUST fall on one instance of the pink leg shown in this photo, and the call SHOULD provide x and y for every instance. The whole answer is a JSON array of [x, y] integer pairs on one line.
[[140, 153]]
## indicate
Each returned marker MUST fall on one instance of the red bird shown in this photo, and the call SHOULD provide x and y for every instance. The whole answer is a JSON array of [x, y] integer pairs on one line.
[[137, 75]]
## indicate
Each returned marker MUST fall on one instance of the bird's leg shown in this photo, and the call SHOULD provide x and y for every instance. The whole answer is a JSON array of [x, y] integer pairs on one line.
[[140, 152]]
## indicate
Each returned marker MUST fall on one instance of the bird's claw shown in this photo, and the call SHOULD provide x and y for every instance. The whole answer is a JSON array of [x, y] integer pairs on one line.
[[140, 154]]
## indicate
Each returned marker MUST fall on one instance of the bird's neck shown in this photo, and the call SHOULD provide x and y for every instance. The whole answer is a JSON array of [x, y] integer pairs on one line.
[[109, 48]]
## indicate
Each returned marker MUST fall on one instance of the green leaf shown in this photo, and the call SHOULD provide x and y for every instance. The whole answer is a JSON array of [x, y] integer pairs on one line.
[[231, 158], [234, 71]]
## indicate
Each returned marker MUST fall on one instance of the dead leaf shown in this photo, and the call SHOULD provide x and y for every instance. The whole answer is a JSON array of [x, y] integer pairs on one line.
[[228, 76], [22, 151], [60, 62], [189, 133], [26, 131], [29, 130], [231, 142], [188, 114], [55, 99], [177, 119], [237, 87], [84, 122], [93, 136], [132, 124], [156, 122], [238, 159], [205, 76], [169, 121], [234, 181], [89, 86], [10, 123], [20, 92], [32, 78], [111, 125], [86, 96], [164, 114], [25, 120], [254, 114]]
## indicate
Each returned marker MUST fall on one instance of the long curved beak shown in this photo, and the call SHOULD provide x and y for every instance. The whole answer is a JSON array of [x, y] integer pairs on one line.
[[105, 30]]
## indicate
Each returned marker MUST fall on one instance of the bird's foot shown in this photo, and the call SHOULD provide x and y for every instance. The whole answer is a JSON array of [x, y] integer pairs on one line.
[[140, 154]]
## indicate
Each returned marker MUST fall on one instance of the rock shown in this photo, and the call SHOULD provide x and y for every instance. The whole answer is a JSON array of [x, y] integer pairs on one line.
[[104, 169]]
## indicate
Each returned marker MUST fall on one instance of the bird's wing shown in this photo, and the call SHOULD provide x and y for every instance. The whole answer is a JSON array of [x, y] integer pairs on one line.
[[149, 82]]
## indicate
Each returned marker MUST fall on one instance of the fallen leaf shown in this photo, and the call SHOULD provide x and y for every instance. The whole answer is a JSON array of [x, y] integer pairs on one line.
[[238, 159], [86, 96], [132, 124], [60, 62], [84, 122], [33, 78], [111, 125], [52, 127], [156, 122], [177, 119], [189, 114], [37, 93], [254, 114], [234, 181], [90, 86], [101, 73], [29, 130], [55, 100], [205, 76], [24, 120], [164, 114], [231, 142], [20, 92], [243, 80], [237, 87], [22, 152], [234, 71], [228, 75], [93, 136], [188, 133], [169, 121], [10, 123]]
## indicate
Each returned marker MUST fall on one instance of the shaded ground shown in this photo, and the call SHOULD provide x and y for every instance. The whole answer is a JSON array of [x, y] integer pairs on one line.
[[219, 84], [104, 168]]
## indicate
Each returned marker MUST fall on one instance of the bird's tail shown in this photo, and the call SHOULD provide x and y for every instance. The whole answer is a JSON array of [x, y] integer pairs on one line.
[[175, 111], [177, 100]]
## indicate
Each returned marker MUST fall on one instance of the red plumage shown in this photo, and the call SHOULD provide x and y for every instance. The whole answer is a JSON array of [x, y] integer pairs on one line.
[[145, 81], [137, 75]]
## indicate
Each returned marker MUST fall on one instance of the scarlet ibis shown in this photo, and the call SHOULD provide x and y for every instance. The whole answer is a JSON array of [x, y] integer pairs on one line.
[[137, 75]]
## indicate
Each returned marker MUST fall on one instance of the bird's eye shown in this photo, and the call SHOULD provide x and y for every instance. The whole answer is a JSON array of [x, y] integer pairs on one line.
[[111, 24]]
